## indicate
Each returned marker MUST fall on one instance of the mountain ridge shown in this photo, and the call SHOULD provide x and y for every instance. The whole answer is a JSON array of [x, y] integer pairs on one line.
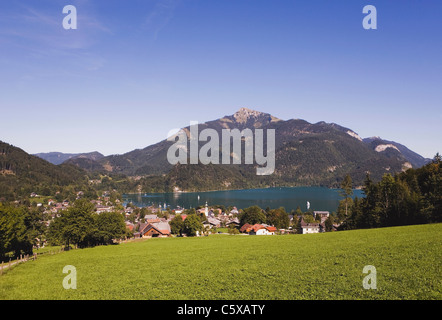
[[382, 145], [60, 157], [22, 173], [306, 154]]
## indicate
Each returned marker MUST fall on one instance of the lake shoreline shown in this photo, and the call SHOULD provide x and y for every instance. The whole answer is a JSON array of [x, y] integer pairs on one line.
[[307, 198], [227, 190]]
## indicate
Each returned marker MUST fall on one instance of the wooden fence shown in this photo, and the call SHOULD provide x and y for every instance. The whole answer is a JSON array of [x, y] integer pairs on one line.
[[24, 258]]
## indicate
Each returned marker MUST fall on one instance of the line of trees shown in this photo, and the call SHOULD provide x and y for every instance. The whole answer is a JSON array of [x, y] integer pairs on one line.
[[410, 197], [280, 219], [20, 230], [191, 226], [276, 217], [23, 228], [80, 226]]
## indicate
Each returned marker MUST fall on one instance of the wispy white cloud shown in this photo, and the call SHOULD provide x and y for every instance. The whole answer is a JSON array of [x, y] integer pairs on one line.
[[44, 28], [160, 16], [39, 34], [31, 15]]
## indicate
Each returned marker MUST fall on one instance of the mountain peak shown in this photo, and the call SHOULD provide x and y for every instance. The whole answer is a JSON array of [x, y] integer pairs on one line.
[[245, 114]]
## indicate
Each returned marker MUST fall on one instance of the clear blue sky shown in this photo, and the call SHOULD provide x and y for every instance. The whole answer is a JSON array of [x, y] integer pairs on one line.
[[135, 69]]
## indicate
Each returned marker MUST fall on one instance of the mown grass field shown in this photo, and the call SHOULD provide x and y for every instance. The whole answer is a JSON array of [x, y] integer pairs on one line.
[[318, 266]]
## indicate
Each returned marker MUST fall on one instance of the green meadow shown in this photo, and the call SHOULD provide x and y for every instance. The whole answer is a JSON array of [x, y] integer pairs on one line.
[[317, 266]]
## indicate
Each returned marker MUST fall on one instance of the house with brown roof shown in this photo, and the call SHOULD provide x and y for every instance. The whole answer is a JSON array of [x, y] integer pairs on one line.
[[258, 229], [245, 228], [212, 222], [261, 230], [235, 222], [154, 230], [309, 227]]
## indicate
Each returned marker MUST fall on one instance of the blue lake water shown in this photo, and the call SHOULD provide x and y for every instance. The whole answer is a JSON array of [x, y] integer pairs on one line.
[[321, 199]]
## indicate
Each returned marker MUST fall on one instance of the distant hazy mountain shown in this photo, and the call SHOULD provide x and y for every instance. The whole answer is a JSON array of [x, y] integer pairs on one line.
[[306, 154], [59, 157]]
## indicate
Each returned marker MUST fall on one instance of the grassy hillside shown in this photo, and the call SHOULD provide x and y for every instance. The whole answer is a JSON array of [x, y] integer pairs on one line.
[[318, 266]]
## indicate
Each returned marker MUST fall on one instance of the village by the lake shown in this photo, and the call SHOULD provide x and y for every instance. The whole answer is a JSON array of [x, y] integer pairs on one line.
[[154, 220]]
